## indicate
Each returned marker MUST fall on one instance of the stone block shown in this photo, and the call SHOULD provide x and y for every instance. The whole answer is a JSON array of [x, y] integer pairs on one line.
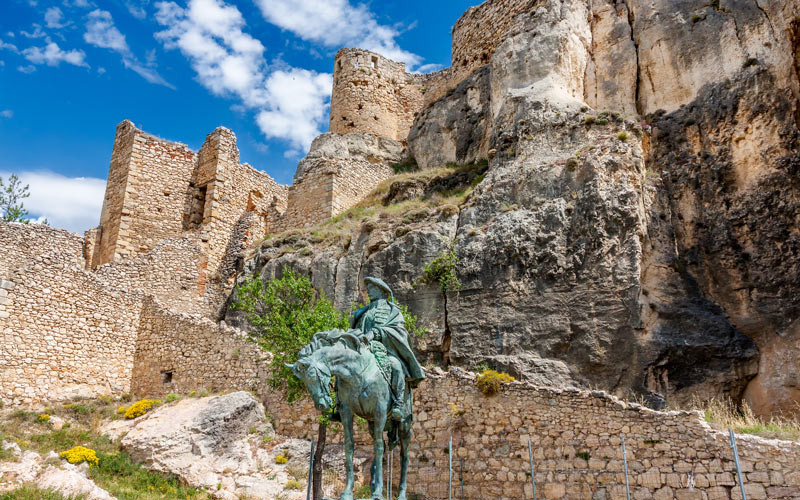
[[554, 490], [7, 285]]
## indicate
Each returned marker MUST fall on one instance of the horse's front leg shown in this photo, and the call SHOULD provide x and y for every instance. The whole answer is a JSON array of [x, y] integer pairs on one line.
[[377, 448], [347, 424], [405, 441]]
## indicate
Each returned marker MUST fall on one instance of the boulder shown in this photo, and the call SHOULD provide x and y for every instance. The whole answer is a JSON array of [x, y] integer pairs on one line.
[[215, 443]]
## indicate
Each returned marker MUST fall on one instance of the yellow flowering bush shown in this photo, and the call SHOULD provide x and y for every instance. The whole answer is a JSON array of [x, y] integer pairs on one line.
[[280, 459], [121, 410], [43, 418], [139, 408], [80, 454], [489, 381]]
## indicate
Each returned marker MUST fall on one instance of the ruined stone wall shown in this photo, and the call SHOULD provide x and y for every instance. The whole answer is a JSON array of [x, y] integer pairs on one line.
[[329, 188], [479, 31], [108, 232], [160, 190], [576, 440], [158, 174], [310, 200], [238, 201], [354, 180], [178, 352], [63, 332], [372, 94], [171, 271]]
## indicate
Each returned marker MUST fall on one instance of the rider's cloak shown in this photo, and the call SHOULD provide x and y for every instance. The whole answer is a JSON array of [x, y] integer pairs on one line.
[[385, 320]]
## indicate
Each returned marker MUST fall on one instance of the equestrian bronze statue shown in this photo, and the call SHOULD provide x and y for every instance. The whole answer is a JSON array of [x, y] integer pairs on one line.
[[375, 370]]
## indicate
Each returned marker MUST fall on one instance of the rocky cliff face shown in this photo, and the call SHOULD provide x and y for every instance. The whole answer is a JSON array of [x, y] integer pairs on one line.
[[637, 228]]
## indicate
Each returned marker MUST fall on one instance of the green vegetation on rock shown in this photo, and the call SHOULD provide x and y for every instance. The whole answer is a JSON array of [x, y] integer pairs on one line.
[[286, 313]]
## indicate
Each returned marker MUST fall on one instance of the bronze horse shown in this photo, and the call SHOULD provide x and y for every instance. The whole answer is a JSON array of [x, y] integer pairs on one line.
[[362, 389]]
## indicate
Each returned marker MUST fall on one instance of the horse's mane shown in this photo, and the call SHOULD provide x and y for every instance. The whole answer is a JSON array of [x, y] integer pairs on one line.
[[344, 339]]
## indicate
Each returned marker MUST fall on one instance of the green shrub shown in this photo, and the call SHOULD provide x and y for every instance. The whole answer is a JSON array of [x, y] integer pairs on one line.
[[172, 397], [407, 165], [286, 313], [622, 136], [293, 484], [411, 321], [363, 491], [489, 381], [442, 270]]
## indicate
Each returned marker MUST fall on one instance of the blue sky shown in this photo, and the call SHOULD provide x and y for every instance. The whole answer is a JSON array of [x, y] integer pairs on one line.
[[71, 70]]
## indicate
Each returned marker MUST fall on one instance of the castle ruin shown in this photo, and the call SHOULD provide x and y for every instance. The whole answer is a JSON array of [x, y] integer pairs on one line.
[[133, 306]]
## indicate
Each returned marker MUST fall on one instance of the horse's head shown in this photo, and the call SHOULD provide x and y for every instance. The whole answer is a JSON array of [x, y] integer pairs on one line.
[[316, 375]]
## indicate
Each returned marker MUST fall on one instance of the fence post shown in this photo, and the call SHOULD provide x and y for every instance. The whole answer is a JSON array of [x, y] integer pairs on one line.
[[391, 462], [530, 459], [625, 462], [310, 470], [461, 474], [736, 460], [450, 470]]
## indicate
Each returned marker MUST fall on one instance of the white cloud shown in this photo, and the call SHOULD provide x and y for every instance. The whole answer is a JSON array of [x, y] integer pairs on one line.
[[101, 32], [296, 105], [8, 46], [37, 32], [290, 103], [137, 8], [429, 68], [54, 17], [336, 23], [101, 70], [26, 69], [7, 113], [77, 3], [72, 203], [52, 55]]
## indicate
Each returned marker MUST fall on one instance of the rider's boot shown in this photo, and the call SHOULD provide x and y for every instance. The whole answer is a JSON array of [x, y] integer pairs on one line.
[[398, 411]]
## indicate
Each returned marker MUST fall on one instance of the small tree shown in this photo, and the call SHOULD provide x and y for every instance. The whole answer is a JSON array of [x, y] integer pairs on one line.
[[11, 195], [286, 313]]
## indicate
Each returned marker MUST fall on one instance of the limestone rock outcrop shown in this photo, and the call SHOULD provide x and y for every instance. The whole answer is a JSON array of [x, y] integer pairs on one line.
[[28, 467], [654, 253], [354, 147], [454, 128], [216, 443]]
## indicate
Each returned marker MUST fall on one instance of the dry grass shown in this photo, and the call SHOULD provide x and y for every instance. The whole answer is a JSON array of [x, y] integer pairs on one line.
[[339, 230], [724, 414]]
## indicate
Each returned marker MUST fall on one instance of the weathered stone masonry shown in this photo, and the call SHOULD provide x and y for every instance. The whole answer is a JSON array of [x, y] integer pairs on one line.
[[576, 435]]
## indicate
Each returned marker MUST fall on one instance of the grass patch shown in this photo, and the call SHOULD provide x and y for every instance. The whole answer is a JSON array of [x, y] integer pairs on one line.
[[363, 491], [724, 414], [447, 188], [114, 472], [30, 492], [117, 474]]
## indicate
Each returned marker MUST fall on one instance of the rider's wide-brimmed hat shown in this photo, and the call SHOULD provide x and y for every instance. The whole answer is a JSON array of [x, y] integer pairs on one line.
[[380, 284]]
